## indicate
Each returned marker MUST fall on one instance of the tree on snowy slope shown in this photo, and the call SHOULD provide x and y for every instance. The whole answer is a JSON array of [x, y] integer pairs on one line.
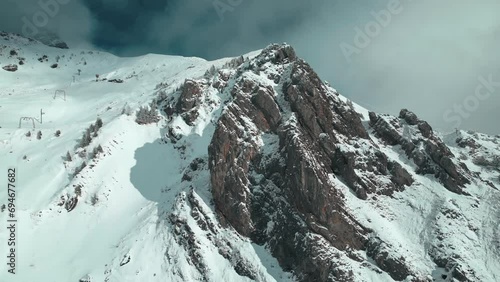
[[98, 124], [86, 139], [146, 115]]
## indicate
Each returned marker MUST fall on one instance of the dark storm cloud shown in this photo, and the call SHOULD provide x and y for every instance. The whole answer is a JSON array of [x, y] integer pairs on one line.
[[428, 56], [196, 27]]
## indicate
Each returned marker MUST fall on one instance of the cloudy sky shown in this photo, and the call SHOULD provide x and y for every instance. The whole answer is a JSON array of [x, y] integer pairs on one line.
[[439, 59]]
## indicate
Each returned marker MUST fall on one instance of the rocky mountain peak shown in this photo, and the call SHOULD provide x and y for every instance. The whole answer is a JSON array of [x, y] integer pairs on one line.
[[243, 169], [286, 144]]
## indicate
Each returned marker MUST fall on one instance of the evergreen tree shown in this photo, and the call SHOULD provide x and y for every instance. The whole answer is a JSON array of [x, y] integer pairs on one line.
[[98, 123], [86, 139], [68, 156], [210, 72]]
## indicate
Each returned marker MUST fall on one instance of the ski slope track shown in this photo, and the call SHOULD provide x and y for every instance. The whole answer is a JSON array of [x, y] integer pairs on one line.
[[240, 169]]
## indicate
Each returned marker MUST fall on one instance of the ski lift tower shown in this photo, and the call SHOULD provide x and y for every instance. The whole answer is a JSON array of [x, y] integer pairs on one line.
[[32, 119]]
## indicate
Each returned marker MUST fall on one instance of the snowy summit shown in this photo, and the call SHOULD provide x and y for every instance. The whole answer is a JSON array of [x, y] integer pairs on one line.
[[166, 168]]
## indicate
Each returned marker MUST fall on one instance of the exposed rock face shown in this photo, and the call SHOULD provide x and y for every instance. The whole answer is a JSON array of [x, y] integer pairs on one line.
[[285, 156], [259, 151], [190, 98], [190, 95], [307, 126], [426, 150], [378, 250], [190, 205], [188, 101], [433, 157]]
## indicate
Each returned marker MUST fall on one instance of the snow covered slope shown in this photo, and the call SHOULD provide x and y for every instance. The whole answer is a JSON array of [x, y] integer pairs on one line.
[[135, 180], [147, 206]]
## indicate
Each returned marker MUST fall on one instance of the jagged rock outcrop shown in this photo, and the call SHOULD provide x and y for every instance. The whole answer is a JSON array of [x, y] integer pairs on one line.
[[292, 186], [426, 150], [257, 171], [284, 148], [190, 98], [190, 205]]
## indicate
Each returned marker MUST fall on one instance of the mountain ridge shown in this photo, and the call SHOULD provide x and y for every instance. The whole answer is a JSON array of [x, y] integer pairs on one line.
[[254, 157]]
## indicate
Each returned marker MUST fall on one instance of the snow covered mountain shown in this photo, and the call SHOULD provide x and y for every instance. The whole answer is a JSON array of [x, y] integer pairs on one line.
[[165, 168]]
